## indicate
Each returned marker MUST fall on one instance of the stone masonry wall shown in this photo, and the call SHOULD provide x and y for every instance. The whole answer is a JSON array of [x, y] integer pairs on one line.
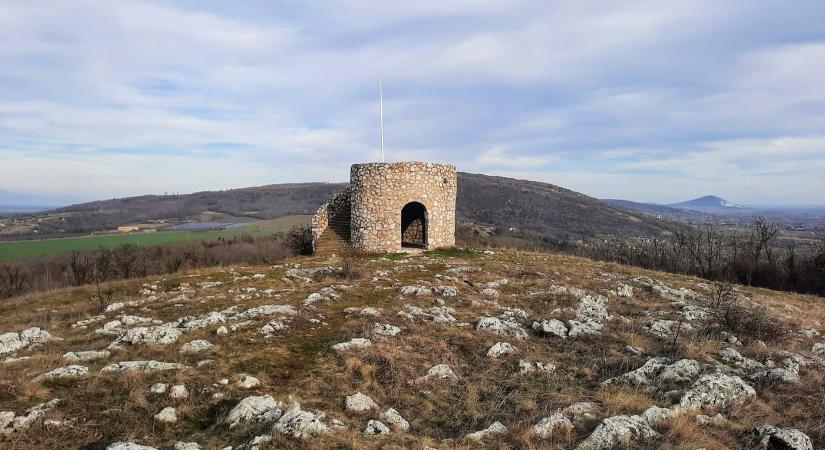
[[380, 190], [328, 210]]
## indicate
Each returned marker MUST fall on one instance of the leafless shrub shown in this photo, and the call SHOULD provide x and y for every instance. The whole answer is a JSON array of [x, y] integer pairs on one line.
[[299, 240], [742, 319], [350, 263]]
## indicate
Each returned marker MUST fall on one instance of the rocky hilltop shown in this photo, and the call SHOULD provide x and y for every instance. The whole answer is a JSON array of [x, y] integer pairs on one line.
[[450, 349]]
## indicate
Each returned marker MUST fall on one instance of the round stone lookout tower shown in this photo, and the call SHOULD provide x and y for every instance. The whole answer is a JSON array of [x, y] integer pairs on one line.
[[389, 207]]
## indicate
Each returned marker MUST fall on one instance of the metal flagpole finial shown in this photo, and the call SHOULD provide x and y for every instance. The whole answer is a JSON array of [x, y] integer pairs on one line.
[[381, 111]]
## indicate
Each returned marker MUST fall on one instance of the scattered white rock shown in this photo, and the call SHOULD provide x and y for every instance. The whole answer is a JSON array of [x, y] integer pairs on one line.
[[359, 402], [499, 327], [73, 371], [666, 328], [352, 344], [385, 329], [178, 392], [445, 291], [819, 348], [142, 366], [773, 438], [527, 367], [624, 290], [86, 356], [717, 390], [261, 408], [551, 327], [187, 446], [618, 431], [128, 446], [248, 382], [553, 425], [500, 349], [11, 423], [440, 372], [376, 427], [167, 415], [497, 428], [731, 355], [301, 424], [414, 290], [394, 418], [12, 342], [221, 330], [159, 388], [196, 346]]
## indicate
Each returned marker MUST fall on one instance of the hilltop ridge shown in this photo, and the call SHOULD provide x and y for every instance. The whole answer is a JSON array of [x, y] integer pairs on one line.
[[447, 349]]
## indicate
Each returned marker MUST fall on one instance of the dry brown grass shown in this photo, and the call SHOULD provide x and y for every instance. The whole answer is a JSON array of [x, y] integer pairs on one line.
[[299, 361]]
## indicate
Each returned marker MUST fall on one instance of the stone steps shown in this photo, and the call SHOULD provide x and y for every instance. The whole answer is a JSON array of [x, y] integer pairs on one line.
[[337, 235]]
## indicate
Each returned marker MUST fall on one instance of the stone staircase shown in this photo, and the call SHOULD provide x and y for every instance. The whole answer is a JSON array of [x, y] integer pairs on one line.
[[337, 234]]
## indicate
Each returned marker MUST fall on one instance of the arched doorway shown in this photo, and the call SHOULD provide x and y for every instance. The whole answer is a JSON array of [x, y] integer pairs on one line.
[[414, 225]]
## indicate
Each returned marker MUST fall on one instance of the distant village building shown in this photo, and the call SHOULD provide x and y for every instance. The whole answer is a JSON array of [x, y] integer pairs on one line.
[[128, 229], [389, 207]]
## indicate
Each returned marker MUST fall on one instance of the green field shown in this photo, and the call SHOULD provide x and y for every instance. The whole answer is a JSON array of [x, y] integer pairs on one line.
[[21, 250]]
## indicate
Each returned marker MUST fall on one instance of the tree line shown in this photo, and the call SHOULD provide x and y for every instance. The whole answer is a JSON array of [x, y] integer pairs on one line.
[[755, 257], [130, 261]]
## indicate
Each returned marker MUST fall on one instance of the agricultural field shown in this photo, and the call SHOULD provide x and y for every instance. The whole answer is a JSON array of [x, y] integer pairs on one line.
[[22, 250]]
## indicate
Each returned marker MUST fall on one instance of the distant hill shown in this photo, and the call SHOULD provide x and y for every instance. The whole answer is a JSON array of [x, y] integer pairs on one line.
[[706, 202], [647, 208], [504, 206]]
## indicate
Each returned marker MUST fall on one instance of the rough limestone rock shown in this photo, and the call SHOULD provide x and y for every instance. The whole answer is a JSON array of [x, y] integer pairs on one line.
[[582, 328], [359, 402], [789, 374], [497, 428], [73, 371], [11, 423], [624, 290], [527, 367], [440, 372], [498, 327], [167, 415], [551, 327], [142, 366], [618, 431], [187, 446], [731, 355], [557, 424], [12, 341], [159, 388], [681, 371], [500, 349], [666, 328], [773, 438], [717, 390], [385, 329], [129, 446], [376, 427], [416, 289], [593, 308], [86, 356], [445, 291], [248, 382], [352, 344], [300, 424], [156, 335], [178, 392], [393, 417], [255, 409], [196, 346], [819, 348]]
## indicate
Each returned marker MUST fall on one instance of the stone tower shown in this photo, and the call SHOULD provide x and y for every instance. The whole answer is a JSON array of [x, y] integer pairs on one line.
[[390, 206]]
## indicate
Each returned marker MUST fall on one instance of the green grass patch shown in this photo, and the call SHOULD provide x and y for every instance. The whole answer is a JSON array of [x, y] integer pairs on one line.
[[391, 256], [454, 252], [30, 249]]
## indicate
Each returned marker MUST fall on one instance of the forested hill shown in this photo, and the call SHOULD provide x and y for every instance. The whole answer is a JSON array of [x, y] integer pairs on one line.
[[526, 208]]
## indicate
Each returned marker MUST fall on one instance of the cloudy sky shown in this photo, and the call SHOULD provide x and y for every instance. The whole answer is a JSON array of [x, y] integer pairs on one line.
[[646, 100]]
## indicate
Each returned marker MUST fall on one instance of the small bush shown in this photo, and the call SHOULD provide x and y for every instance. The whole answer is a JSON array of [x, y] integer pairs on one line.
[[745, 321], [350, 267], [299, 240]]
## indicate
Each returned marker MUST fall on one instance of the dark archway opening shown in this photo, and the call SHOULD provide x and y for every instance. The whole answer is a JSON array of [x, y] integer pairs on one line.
[[414, 225]]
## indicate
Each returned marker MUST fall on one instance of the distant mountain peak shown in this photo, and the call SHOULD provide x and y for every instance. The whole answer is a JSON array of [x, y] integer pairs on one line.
[[708, 201]]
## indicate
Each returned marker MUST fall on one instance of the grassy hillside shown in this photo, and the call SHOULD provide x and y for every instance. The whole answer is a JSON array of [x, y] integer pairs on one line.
[[30, 249], [531, 209], [452, 351]]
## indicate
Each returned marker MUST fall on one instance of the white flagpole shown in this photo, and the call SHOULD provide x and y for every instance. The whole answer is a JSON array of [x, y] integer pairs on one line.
[[381, 112]]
